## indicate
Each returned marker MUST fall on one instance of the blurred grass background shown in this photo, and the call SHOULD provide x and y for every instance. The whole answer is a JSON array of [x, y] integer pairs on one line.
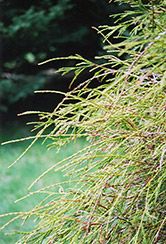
[[14, 181]]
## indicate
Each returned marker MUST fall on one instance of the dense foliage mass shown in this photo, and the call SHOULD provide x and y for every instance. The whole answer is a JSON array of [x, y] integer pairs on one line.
[[32, 31], [35, 30], [119, 180]]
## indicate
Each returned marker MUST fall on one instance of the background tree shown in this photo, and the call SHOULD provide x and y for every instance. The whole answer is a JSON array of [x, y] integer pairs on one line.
[[47, 28], [33, 31]]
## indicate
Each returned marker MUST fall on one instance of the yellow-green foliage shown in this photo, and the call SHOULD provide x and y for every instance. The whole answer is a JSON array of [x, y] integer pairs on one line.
[[120, 178]]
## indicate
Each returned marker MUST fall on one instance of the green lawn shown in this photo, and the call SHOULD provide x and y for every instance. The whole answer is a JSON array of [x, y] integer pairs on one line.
[[14, 181]]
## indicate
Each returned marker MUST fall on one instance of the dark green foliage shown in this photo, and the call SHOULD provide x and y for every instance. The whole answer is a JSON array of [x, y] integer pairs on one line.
[[14, 88], [32, 31], [36, 30]]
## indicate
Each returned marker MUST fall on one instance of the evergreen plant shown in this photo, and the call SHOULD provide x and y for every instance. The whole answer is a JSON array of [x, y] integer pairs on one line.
[[119, 179]]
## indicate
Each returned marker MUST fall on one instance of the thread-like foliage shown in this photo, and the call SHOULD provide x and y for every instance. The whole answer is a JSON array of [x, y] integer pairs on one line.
[[120, 177]]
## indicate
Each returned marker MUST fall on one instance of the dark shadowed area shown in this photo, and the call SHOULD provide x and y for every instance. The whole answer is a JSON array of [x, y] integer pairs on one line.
[[34, 31]]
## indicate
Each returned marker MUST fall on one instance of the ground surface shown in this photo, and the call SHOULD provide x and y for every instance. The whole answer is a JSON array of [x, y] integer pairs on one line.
[[14, 181]]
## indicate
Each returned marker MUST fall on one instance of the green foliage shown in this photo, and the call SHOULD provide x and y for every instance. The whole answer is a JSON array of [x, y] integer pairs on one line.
[[32, 31], [48, 28], [30, 27], [120, 178], [14, 87]]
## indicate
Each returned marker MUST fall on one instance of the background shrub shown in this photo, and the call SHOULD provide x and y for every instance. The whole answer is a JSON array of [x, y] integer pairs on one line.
[[39, 30]]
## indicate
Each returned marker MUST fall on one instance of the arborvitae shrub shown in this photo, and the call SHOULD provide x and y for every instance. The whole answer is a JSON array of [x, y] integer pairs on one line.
[[120, 178]]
